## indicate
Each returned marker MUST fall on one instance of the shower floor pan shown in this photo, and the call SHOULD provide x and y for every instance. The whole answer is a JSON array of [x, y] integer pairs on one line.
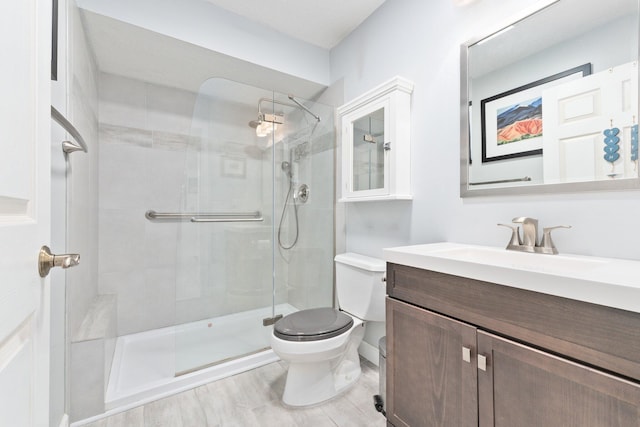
[[146, 365]]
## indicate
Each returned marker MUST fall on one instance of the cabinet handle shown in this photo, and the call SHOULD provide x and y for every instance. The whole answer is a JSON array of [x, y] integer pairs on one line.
[[466, 354], [482, 362]]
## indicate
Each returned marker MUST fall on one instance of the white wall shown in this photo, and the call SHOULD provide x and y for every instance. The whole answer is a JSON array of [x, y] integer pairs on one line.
[[420, 40]]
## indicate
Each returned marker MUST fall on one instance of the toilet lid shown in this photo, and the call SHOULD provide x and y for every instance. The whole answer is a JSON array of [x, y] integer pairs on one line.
[[312, 325]]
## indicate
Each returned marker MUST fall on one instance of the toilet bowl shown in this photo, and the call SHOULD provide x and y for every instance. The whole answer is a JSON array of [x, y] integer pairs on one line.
[[321, 344]]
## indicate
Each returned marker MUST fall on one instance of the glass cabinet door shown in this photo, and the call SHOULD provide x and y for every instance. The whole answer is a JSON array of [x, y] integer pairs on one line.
[[368, 152]]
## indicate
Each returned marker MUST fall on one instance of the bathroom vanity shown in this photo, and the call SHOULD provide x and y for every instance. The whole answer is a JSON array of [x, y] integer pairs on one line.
[[471, 341]]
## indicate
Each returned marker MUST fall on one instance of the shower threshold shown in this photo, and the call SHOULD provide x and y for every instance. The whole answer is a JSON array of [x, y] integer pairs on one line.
[[154, 364]]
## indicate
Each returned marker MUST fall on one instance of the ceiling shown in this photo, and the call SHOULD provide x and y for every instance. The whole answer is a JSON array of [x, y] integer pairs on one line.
[[322, 23]]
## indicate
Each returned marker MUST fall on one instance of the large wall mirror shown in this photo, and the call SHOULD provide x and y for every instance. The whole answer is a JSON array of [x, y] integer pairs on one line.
[[549, 103]]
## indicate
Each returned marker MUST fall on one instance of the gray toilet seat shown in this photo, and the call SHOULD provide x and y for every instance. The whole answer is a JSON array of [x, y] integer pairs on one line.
[[313, 324]]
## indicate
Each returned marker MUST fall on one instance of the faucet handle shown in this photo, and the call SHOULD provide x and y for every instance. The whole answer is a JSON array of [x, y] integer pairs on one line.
[[515, 236], [547, 244]]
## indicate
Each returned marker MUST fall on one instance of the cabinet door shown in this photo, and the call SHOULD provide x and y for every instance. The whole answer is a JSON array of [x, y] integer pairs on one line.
[[431, 380], [525, 387], [366, 160]]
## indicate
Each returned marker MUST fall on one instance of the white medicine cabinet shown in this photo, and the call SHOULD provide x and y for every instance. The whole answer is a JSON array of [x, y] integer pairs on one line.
[[376, 143]]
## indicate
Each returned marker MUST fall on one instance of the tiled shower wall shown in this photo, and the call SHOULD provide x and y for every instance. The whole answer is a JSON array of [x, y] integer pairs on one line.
[[155, 155], [144, 132]]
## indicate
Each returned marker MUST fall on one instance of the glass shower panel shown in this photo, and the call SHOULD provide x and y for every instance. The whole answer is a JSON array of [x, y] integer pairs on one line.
[[368, 151], [250, 249], [225, 245], [305, 229]]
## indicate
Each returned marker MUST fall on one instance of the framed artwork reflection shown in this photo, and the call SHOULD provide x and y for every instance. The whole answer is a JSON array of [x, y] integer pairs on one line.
[[512, 121]]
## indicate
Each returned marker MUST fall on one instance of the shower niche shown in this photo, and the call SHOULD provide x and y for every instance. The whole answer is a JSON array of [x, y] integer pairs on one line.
[[376, 143]]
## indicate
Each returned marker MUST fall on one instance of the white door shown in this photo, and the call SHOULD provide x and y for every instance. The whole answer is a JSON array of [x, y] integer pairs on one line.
[[25, 44], [575, 115]]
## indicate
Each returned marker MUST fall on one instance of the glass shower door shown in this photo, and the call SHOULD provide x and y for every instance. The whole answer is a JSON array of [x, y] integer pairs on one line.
[[225, 252], [256, 238]]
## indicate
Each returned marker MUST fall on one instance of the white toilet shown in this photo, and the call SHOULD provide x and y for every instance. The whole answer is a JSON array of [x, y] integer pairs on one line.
[[321, 344]]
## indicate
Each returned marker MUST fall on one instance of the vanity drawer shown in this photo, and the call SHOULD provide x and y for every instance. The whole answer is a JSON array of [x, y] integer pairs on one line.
[[601, 336]]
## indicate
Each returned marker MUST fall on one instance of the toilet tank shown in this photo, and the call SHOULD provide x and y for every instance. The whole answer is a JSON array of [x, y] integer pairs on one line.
[[360, 286]]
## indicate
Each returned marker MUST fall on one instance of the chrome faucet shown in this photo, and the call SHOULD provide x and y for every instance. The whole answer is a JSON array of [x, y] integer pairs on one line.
[[529, 240]]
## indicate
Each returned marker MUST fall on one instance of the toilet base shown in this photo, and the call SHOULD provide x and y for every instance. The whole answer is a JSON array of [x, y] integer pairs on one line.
[[312, 383]]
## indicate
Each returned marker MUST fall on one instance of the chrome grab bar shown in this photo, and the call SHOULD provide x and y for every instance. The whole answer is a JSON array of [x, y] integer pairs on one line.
[[69, 146], [152, 215], [256, 219], [501, 181]]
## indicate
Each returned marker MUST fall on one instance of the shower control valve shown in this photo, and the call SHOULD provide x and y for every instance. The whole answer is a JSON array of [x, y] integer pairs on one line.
[[303, 193]]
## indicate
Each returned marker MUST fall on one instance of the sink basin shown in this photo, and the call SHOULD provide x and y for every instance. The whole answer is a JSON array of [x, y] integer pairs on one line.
[[558, 264], [605, 281]]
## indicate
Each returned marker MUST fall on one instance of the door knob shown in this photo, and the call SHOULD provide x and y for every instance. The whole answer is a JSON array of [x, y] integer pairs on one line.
[[47, 260]]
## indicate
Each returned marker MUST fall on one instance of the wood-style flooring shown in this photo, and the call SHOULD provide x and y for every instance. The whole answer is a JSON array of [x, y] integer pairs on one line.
[[251, 399]]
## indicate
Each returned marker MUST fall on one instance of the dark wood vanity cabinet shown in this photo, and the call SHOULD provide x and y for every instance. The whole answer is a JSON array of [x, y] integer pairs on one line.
[[522, 386], [429, 382], [466, 353]]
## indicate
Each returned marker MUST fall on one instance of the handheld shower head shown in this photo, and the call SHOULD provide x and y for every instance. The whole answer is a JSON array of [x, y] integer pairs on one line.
[[286, 167]]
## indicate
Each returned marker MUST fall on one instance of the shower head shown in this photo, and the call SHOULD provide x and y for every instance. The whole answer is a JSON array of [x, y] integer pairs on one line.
[[266, 123], [276, 118], [286, 168]]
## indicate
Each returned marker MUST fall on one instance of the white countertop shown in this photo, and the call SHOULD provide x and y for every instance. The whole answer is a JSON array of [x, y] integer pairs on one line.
[[605, 281]]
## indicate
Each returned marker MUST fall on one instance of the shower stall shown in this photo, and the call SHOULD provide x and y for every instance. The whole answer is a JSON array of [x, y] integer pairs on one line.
[[214, 210], [237, 231]]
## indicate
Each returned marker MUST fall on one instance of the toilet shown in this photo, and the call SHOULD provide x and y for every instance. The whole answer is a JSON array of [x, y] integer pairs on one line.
[[321, 344]]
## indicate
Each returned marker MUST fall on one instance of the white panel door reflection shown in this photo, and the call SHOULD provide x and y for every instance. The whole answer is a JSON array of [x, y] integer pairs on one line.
[[576, 114]]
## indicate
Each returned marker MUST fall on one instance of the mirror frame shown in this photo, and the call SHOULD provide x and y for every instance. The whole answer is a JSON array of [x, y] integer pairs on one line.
[[526, 189]]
